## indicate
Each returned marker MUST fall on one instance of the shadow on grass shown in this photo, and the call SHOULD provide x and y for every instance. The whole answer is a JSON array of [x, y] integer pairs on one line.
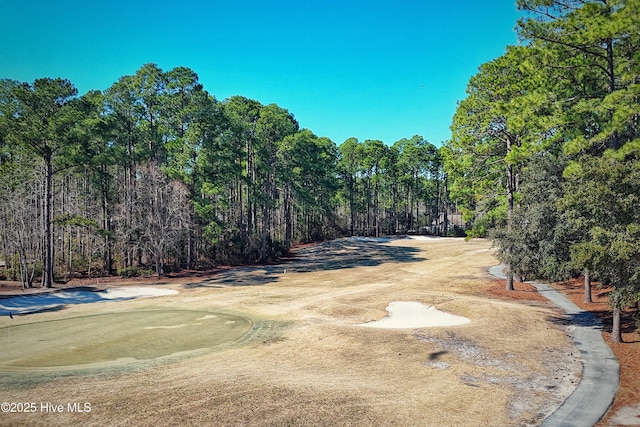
[[334, 255], [59, 299], [47, 302], [437, 355]]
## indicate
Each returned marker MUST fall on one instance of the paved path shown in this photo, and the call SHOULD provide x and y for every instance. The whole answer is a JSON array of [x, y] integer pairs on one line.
[[600, 370]]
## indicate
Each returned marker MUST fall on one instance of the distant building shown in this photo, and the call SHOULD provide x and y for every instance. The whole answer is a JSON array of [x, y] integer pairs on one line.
[[445, 223]]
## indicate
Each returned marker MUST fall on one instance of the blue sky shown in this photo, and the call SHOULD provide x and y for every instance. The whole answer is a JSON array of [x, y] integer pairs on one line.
[[374, 69]]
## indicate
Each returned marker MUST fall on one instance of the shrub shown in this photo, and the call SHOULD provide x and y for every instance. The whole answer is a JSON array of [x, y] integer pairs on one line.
[[130, 272]]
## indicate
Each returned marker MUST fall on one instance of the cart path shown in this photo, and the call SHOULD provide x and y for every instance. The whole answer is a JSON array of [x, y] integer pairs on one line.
[[600, 379]]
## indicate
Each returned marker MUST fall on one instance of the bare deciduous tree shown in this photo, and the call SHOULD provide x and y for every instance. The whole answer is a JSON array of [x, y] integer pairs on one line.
[[163, 209]]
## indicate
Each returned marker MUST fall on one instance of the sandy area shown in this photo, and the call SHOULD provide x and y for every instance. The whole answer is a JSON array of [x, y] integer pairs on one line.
[[306, 360], [412, 315]]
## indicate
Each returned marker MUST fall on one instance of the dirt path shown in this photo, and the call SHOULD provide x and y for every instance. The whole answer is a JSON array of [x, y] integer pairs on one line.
[[307, 362]]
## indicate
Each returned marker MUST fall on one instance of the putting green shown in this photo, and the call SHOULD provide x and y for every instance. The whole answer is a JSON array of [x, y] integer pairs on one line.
[[115, 338]]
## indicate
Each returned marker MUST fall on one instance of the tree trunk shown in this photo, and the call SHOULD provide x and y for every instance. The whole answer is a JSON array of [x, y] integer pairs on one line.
[[368, 222], [510, 191], [352, 203], [288, 232], [587, 287], [190, 239], [47, 274], [107, 260], [509, 286], [159, 264], [249, 189], [265, 219], [415, 224], [27, 280], [376, 209], [445, 218], [616, 331]]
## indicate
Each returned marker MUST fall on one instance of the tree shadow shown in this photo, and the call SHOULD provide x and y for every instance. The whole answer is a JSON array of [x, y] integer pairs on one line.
[[337, 254], [437, 354], [627, 321], [55, 301], [584, 319], [48, 309], [240, 276], [598, 319]]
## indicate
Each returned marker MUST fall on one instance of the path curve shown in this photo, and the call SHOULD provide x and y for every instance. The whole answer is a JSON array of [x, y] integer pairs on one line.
[[600, 379]]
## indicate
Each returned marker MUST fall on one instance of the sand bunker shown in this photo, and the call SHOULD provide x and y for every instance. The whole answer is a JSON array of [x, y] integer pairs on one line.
[[41, 302], [403, 315]]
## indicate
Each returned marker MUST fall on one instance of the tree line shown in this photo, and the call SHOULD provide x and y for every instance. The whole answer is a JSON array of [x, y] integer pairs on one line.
[[545, 148], [155, 174]]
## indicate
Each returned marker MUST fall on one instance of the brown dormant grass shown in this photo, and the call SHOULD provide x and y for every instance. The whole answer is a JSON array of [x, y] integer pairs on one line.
[[306, 362]]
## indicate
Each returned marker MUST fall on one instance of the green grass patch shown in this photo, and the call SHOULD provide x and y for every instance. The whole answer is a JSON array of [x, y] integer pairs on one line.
[[115, 338]]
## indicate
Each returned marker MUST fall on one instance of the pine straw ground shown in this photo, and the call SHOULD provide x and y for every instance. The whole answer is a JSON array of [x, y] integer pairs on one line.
[[307, 362]]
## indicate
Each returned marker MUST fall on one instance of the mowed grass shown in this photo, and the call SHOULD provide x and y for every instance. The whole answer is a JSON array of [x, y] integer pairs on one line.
[[305, 361], [83, 341]]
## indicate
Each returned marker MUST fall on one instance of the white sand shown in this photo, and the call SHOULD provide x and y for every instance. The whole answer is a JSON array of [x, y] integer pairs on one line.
[[39, 302], [135, 292], [410, 315], [429, 237]]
